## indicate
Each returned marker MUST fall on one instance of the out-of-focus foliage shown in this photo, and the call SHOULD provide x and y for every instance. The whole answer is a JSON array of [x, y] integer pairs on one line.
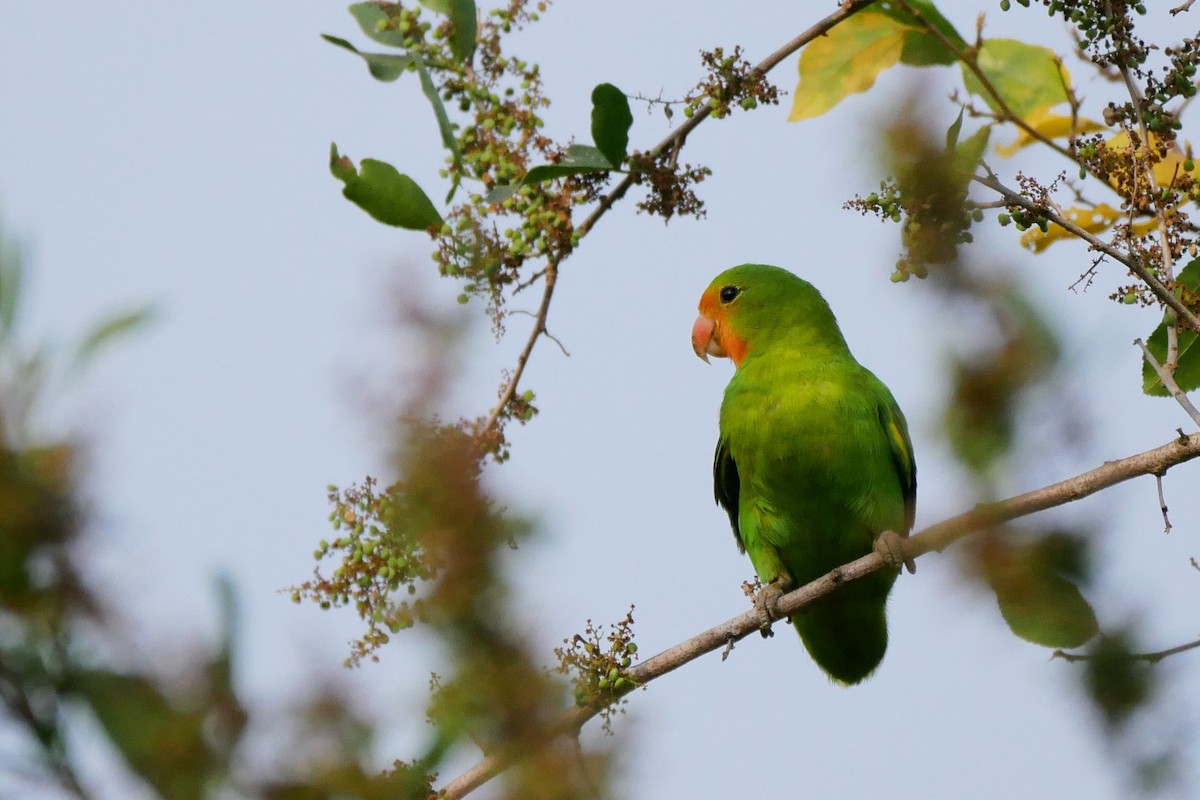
[[178, 733], [1035, 586]]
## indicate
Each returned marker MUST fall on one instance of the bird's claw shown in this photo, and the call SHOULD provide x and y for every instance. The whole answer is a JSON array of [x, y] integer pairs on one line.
[[766, 602], [890, 545]]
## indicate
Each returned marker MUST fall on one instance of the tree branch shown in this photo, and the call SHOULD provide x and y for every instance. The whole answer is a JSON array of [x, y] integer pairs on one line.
[[846, 9], [936, 537], [1134, 264]]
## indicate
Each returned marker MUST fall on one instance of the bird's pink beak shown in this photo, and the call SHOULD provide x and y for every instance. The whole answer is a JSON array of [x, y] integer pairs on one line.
[[704, 339]]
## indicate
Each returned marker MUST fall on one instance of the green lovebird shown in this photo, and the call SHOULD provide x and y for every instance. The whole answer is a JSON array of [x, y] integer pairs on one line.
[[814, 464]]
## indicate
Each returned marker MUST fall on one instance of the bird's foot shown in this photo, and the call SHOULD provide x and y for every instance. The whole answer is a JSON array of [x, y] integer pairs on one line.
[[890, 545], [766, 602]]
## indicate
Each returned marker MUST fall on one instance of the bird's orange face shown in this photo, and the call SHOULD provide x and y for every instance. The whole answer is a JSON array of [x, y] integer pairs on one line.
[[713, 333]]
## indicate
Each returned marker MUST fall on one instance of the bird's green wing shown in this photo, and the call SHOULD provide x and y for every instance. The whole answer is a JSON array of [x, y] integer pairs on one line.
[[896, 429], [726, 486]]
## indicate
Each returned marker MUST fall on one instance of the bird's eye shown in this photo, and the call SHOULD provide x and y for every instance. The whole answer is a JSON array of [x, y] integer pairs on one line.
[[728, 293]]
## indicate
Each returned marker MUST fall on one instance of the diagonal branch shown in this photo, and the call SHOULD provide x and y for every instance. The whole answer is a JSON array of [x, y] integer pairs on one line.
[[1134, 264], [936, 537]]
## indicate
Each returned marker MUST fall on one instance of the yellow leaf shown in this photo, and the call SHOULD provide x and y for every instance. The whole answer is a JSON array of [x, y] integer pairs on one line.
[[1168, 167], [1048, 124], [846, 61], [1093, 220]]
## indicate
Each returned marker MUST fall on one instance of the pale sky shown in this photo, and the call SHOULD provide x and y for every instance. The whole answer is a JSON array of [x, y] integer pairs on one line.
[[175, 154]]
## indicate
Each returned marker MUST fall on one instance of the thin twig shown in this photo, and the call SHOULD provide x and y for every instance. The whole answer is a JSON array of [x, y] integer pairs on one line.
[[1134, 264], [539, 328], [1153, 658], [1162, 504], [675, 140], [1168, 382], [936, 537]]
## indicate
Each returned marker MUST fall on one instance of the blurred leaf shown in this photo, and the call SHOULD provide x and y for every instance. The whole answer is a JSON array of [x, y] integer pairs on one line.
[[1028, 78], [227, 717], [382, 66], [1187, 374], [1050, 125], [849, 58], [373, 19], [108, 331], [611, 120], [10, 285], [385, 194], [922, 49], [846, 61], [969, 153], [1034, 586], [1118, 682], [162, 744], [953, 131], [463, 15]]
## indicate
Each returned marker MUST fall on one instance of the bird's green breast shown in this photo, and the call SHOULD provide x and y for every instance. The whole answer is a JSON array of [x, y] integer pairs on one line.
[[817, 478]]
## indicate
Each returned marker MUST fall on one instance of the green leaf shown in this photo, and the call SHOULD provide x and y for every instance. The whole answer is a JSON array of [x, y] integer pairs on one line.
[[107, 331], [579, 159], [611, 120], [1119, 681], [1029, 78], [382, 66], [385, 194], [1036, 592], [1187, 373], [463, 15], [449, 141]]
